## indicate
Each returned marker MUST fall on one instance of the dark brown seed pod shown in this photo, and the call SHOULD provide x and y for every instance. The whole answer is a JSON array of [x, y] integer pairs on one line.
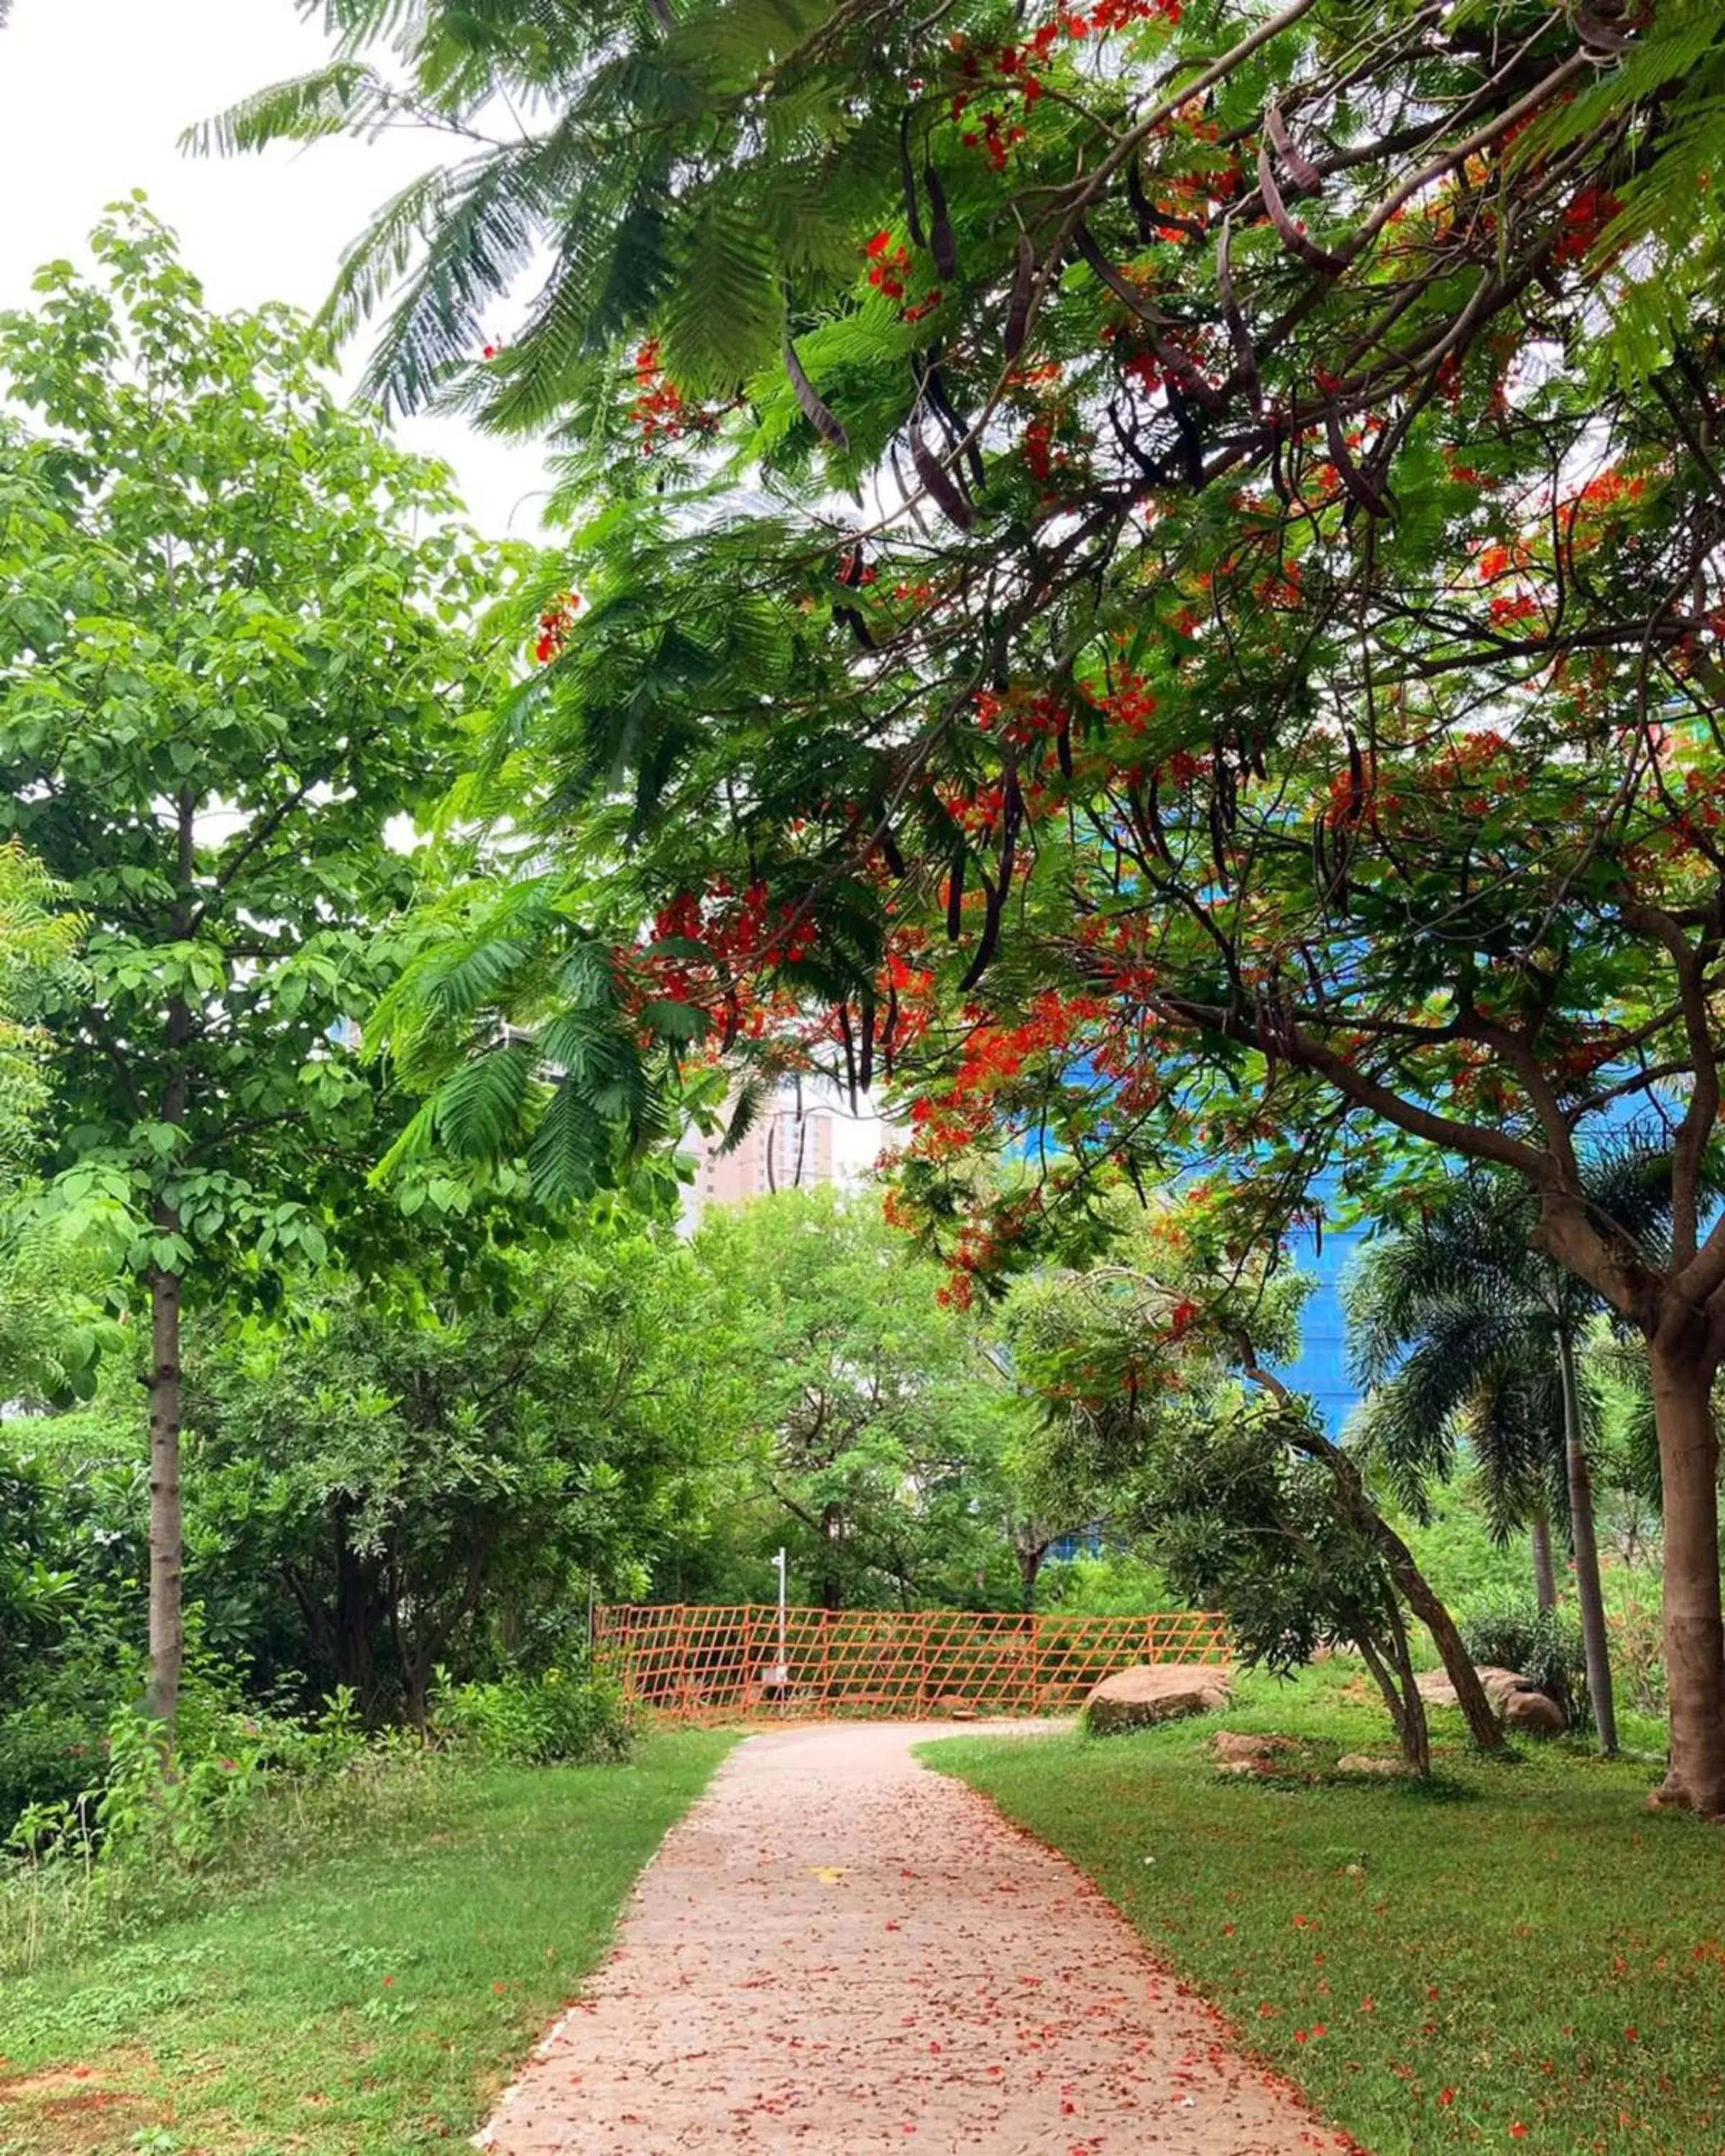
[[1023, 284], [849, 1043], [1218, 842], [889, 854], [934, 385], [998, 893], [1304, 174], [944, 246], [1143, 214], [865, 1046], [1358, 486], [907, 177], [1308, 250], [858, 627], [1245, 360], [955, 898], [1063, 746], [809, 397], [1150, 820], [938, 483]]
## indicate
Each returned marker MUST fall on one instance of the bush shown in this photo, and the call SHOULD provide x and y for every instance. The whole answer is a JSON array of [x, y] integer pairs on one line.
[[1513, 1633], [576, 1716], [51, 1746]]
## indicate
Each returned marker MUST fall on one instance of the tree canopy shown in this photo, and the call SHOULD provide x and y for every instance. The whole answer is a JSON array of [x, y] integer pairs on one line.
[[235, 645], [1264, 701]]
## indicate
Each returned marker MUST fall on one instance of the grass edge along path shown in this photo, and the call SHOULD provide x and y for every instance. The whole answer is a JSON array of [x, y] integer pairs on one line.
[[372, 2005], [1520, 1957]]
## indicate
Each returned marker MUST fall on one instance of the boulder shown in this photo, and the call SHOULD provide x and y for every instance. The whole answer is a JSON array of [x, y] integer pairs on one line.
[[1230, 1748], [1367, 1762], [1536, 1712], [1155, 1692], [1517, 1699]]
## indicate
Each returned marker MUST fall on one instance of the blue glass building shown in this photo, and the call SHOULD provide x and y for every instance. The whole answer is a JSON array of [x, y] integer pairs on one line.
[[1321, 1367]]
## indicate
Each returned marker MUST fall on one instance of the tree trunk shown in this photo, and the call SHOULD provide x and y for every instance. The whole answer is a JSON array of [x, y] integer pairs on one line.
[[359, 1615], [1416, 1736], [1388, 1685], [1416, 1589], [1397, 1682], [1422, 1598], [167, 1633], [832, 1530], [1694, 1636], [1585, 1540], [1545, 1577], [168, 1639], [1030, 1555]]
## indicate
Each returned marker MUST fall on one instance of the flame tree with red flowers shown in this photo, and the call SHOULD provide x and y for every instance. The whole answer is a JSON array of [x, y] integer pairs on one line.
[[1174, 610]]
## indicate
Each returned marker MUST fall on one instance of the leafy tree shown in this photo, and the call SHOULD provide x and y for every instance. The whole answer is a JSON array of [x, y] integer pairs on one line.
[[72, 1557], [1142, 1357], [395, 1481], [1271, 706], [38, 939], [880, 1431], [1464, 1328], [233, 648], [51, 1327], [701, 176]]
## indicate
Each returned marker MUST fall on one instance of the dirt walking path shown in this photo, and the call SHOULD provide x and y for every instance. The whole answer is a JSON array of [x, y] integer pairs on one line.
[[839, 1952]]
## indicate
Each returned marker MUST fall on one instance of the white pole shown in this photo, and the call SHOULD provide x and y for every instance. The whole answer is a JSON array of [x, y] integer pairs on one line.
[[781, 1674]]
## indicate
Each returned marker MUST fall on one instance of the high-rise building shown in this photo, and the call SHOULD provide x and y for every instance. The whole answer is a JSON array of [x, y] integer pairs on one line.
[[804, 1136], [1321, 1369]]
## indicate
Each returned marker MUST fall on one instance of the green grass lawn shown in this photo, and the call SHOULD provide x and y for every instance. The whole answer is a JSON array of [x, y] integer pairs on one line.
[[373, 2003], [1521, 1956]]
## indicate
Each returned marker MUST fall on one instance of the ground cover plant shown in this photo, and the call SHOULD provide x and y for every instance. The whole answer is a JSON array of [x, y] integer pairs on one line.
[[1508, 1956], [367, 2001]]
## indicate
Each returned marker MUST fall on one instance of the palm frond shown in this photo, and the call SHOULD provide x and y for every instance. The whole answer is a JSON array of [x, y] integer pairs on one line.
[[473, 229], [479, 1109], [345, 98]]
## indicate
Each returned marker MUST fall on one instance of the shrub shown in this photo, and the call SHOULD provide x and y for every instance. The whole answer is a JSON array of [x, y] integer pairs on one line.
[[571, 1715], [1513, 1633]]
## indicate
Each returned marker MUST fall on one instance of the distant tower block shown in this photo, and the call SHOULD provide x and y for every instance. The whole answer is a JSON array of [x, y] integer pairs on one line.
[[801, 1139]]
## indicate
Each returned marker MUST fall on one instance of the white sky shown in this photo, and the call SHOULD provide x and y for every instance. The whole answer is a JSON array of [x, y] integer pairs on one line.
[[94, 94]]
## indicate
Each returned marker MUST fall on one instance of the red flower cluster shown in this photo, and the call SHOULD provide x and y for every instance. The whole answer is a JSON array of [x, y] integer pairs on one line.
[[554, 627], [996, 138], [1040, 457], [658, 409], [1022, 716], [890, 265], [1129, 702], [1585, 219]]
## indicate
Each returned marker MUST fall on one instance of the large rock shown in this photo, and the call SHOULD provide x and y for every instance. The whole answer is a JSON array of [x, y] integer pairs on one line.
[[1155, 1692], [1230, 1747], [1517, 1699], [1535, 1711]]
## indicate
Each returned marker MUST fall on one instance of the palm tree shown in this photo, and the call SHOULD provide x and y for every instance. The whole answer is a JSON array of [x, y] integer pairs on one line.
[[1464, 1330]]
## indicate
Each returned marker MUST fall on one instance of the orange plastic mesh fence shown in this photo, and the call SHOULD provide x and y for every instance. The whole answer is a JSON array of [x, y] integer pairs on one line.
[[690, 1662]]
